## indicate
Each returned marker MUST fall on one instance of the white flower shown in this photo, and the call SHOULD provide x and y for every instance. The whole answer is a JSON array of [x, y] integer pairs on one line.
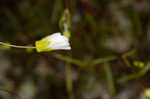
[[55, 41]]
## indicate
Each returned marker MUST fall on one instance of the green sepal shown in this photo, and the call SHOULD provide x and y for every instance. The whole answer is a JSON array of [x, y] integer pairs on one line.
[[42, 46], [65, 18]]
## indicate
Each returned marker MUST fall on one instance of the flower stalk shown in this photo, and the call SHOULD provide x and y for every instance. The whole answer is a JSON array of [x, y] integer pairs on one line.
[[16, 46]]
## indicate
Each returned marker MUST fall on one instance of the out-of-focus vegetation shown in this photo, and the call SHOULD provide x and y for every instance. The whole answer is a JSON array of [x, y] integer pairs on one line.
[[110, 56]]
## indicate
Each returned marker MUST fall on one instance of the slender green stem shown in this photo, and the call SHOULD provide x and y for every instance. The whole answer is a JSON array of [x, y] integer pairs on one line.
[[110, 80], [104, 60], [69, 81], [84, 63], [70, 60], [15, 46], [127, 54], [134, 76]]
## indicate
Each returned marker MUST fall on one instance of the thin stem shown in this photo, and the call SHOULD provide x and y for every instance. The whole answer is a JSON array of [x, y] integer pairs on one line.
[[15, 46], [69, 81], [134, 76], [110, 80], [127, 54], [104, 60], [70, 60]]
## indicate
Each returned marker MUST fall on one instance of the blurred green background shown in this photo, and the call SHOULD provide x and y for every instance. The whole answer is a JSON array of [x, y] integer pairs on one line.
[[110, 56]]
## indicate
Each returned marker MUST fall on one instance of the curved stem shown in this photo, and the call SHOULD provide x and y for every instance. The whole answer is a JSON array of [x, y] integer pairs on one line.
[[15, 46]]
